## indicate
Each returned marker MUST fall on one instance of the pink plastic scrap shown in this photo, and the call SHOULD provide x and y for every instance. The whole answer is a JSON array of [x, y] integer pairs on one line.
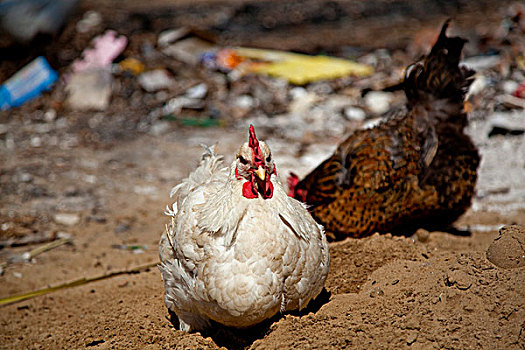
[[106, 48]]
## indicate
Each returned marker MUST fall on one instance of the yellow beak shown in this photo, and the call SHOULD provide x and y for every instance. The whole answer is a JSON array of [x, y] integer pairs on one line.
[[261, 173]]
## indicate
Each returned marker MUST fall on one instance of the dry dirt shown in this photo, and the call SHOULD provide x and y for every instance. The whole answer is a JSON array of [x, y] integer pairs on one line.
[[383, 291], [430, 290]]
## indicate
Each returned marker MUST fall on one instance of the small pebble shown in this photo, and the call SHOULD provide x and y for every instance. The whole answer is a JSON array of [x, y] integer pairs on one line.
[[50, 115], [378, 102], [412, 337], [198, 91], [67, 219], [36, 141], [422, 235], [159, 128], [355, 114], [376, 292]]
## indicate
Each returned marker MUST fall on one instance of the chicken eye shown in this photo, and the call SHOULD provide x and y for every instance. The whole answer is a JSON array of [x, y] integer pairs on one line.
[[269, 158], [242, 160]]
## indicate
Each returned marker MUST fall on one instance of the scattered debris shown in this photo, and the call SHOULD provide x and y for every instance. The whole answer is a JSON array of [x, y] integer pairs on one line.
[[132, 65], [28, 83], [512, 101], [481, 63], [188, 50], [28, 256], [89, 90], [155, 80], [90, 20], [170, 36], [302, 69], [505, 124], [105, 49], [519, 91], [34, 238]]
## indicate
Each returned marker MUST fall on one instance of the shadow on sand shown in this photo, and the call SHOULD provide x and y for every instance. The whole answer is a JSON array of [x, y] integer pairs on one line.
[[236, 339]]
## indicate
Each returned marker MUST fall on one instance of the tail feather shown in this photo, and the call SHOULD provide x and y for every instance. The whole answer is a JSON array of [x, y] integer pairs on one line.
[[439, 74]]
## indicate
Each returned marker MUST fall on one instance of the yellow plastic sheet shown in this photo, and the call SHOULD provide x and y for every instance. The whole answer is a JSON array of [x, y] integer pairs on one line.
[[302, 69]]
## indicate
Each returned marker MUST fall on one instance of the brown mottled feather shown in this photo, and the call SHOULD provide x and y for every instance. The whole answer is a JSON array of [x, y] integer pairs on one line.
[[417, 168]]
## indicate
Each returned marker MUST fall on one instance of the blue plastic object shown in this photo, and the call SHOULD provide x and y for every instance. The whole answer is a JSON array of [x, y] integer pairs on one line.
[[27, 83]]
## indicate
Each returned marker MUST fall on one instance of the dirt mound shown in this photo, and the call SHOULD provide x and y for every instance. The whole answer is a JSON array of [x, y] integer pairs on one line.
[[446, 301], [508, 250]]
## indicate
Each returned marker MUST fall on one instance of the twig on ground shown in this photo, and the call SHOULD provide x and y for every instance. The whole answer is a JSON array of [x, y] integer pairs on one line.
[[78, 282]]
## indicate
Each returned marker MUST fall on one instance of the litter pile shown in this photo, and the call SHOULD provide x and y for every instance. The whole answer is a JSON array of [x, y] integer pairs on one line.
[[179, 76]]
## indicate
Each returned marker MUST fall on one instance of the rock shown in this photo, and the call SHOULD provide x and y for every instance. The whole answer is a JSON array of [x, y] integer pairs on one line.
[[508, 249], [90, 20], [244, 102], [50, 115], [176, 104], [355, 114], [155, 80], [198, 91], [460, 279], [159, 128], [509, 86], [67, 219], [25, 177], [412, 337], [378, 102], [36, 141], [422, 235], [42, 128], [376, 292]]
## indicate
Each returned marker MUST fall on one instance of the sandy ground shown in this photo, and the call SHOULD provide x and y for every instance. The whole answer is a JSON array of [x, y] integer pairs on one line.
[[383, 291], [430, 290]]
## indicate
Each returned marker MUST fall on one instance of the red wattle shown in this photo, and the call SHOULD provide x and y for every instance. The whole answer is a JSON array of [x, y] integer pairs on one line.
[[248, 190]]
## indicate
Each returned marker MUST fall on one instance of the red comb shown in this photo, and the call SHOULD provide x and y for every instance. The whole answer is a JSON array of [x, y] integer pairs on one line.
[[256, 150]]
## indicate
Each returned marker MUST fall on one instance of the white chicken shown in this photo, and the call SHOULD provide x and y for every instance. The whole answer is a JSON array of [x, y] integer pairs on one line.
[[238, 250]]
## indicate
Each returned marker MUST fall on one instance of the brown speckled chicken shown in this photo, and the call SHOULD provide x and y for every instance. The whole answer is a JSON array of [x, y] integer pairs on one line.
[[416, 169]]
